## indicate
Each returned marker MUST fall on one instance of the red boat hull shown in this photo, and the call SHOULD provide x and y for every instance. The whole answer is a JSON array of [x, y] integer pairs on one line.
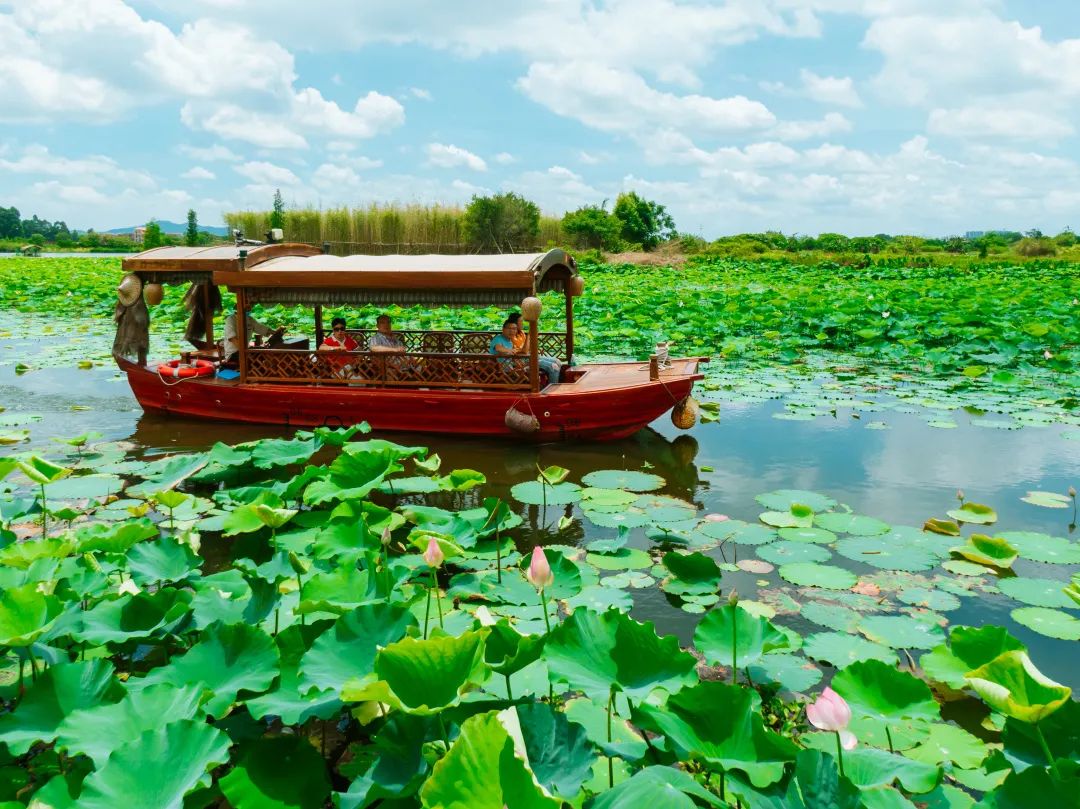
[[617, 401]]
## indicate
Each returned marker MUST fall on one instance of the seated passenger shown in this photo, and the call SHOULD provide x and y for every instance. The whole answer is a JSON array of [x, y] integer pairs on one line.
[[549, 365], [502, 345], [520, 339], [231, 341], [385, 339], [338, 339]]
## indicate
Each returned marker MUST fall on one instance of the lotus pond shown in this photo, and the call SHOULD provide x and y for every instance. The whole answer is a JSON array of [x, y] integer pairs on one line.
[[339, 618]]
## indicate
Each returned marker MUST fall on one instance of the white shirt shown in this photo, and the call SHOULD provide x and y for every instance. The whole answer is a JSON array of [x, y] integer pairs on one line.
[[253, 327]]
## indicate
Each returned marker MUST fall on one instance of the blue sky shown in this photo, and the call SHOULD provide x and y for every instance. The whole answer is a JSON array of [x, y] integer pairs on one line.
[[857, 116]]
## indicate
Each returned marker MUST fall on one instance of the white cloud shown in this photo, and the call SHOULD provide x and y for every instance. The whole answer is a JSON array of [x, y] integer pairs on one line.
[[332, 177], [268, 174], [234, 122], [421, 93], [614, 100], [198, 173], [469, 189], [504, 158], [208, 153], [833, 123], [830, 89], [448, 156], [96, 170], [988, 122], [557, 189], [77, 194]]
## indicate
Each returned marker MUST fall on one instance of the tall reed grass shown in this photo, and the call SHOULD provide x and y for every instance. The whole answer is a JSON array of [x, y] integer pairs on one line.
[[380, 229]]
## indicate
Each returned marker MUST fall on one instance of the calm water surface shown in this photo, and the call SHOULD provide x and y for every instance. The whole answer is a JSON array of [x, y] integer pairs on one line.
[[902, 475]]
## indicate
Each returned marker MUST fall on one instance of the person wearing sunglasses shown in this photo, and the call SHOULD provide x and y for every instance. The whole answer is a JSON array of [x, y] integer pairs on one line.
[[338, 339]]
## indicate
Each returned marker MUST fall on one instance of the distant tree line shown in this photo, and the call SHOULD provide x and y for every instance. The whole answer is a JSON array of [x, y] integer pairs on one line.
[[39, 232]]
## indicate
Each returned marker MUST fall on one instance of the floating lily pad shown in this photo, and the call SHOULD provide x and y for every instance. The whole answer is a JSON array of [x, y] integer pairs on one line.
[[962, 567], [783, 499], [885, 553], [622, 559], [975, 513], [752, 535], [841, 649], [1043, 547], [624, 479], [1045, 621], [811, 574], [854, 524], [792, 672], [1037, 592], [798, 516], [630, 518], [534, 493], [593, 496], [781, 553], [930, 599], [1048, 499], [832, 616], [987, 550], [818, 535], [901, 632]]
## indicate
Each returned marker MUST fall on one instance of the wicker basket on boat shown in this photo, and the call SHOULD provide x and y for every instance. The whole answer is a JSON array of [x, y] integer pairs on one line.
[[684, 414], [524, 423], [154, 294]]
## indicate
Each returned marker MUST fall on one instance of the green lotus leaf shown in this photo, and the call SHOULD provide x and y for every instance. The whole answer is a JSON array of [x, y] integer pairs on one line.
[[274, 452], [165, 560], [598, 599], [553, 475], [753, 637], [626, 742], [291, 700], [423, 676], [557, 750], [747, 534], [622, 559], [26, 614], [59, 691], [787, 552], [948, 743], [352, 476], [619, 479], [943, 527], [347, 650], [901, 631], [854, 524], [658, 787], [1045, 621], [986, 550], [783, 499], [962, 567], [882, 552], [716, 724], [816, 535], [1037, 592], [1037, 786], [975, 513], [167, 473], [1048, 499], [42, 472], [400, 764], [227, 597], [119, 538], [832, 616], [1073, 589], [924, 597], [482, 771], [226, 660], [841, 649], [603, 652], [799, 516], [621, 519], [279, 771], [882, 693], [508, 651], [22, 555], [694, 573], [535, 493], [868, 768], [968, 648], [136, 617], [606, 497], [96, 731], [429, 465], [134, 774], [811, 574], [1043, 547], [791, 672], [1011, 684], [170, 499], [567, 573], [461, 480], [1061, 731]]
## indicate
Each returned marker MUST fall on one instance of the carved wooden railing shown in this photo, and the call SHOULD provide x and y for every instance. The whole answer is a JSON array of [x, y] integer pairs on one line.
[[552, 343], [413, 369]]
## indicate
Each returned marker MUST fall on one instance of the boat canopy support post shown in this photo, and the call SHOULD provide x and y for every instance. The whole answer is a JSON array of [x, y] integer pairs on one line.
[[319, 331], [208, 316], [569, 326], [241, 332], [534, 355]]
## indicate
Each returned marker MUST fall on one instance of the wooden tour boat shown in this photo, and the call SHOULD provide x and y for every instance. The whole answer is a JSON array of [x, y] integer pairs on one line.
[[444, 382]]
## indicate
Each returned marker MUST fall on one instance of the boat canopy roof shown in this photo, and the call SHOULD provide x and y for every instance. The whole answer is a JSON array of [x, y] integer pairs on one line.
[[298, 273]]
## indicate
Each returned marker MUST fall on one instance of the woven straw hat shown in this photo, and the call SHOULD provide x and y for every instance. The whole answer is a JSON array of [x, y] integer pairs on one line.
[[129, 290], [154, 293]]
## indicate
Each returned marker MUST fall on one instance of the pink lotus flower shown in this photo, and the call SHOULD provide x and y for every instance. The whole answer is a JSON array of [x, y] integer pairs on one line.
[[539, 573], [717, 518], [831, 712], [433, 555]]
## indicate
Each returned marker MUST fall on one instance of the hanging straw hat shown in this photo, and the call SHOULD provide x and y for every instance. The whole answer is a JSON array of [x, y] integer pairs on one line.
[[129, 290], [154, 293]]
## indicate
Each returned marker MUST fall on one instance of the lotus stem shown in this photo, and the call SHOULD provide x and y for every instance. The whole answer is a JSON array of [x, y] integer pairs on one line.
[[498, 556], [543, 609], [44, 514], [734, 649], [427, 612], [33, 663], [888, 735], [723, 785], [438, 598], [610, 760], [300, 592], [1046, 750], [509, 693], [840, 753]]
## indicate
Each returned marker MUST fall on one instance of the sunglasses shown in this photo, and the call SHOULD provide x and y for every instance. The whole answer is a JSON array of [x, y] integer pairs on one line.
[[339, 328]]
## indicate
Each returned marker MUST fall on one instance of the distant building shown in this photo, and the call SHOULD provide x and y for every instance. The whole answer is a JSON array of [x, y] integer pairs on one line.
[[138, 235], [974, 234]]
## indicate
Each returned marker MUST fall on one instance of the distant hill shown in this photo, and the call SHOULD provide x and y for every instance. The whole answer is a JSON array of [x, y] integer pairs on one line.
[[172, 228]]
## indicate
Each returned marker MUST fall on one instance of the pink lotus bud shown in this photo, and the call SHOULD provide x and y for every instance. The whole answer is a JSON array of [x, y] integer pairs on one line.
[[831, 712], [433, 555], [539, 573], [717, 518], [1072, 492], [386, 537]]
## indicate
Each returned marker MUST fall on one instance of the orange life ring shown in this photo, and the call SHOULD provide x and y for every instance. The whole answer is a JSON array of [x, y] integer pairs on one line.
[[180, 370]]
